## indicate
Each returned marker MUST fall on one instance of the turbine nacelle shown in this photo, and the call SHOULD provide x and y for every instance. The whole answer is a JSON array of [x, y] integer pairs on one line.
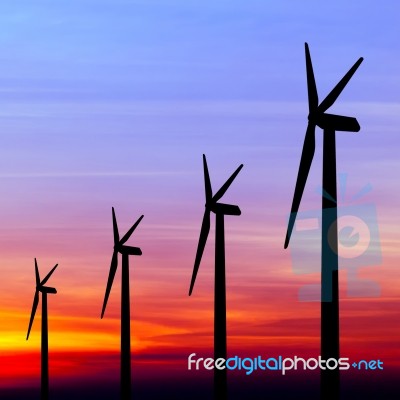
[[226, 209], [130, 250], [334, 122], [47, 289]]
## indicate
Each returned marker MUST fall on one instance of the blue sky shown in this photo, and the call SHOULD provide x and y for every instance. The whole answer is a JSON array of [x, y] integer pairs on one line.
[[187, 50], [96, 89]]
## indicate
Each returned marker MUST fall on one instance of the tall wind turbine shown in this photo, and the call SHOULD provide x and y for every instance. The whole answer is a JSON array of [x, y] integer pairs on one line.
[[44, 290], [220, 210], [330, 379], [126, 251]]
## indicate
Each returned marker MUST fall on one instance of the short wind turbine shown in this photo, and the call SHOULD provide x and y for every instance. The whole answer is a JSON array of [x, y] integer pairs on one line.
[[330, 379], [44, 290], [126, 251], [220, 210]]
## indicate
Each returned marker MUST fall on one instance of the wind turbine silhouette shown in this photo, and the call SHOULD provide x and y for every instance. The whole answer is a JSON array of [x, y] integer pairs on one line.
[[45, 343], [126, 251], [220, 210], [330, 379]]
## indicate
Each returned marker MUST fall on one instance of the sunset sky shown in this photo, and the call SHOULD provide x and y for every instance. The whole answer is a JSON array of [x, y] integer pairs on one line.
[[112, 103]]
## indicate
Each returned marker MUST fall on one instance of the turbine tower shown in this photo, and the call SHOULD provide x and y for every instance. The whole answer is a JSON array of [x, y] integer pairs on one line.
[[220, 210], [125, 251], [330, 379], [44, 290]]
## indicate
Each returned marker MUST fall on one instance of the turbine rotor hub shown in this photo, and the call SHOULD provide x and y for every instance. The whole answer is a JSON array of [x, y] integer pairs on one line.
[[312, 117]]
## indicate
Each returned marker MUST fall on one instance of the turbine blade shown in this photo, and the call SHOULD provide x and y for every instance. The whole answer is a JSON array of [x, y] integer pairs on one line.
[[334, 94], [338, 123], [37, 274], [34, 307], [307, 156], [205, 229], [207, 181], [48, 275], [311, 85], [129, 233], [226, 185], [115, 228], [111, 275]]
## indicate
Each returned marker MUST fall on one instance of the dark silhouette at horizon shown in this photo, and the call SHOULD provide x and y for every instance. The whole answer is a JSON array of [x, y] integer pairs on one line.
[[220, 210], [44, 290], [125, 251], [330, 379]]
